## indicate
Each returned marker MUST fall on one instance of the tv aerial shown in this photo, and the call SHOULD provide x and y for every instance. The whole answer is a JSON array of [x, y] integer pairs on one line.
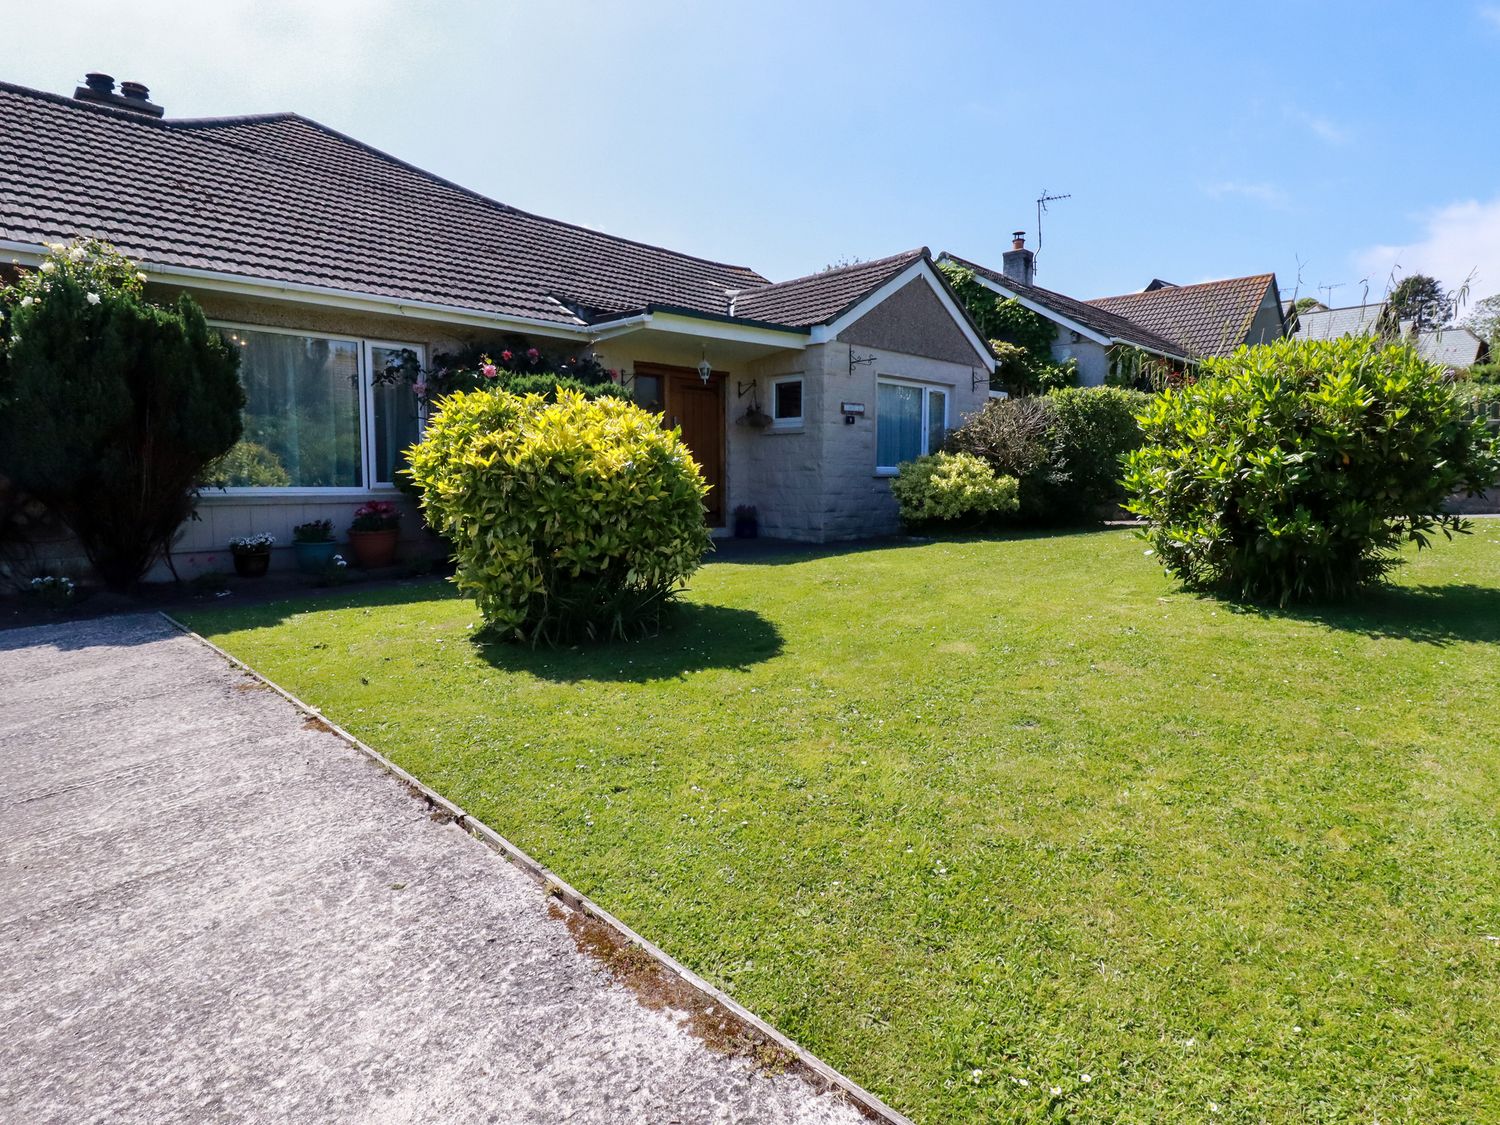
[[1041, 209]]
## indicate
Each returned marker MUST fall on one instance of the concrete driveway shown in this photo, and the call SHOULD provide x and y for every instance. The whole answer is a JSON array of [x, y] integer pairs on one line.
[[210, 910]]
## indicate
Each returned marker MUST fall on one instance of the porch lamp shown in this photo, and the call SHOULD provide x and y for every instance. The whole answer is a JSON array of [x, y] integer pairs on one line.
[[705, 369]]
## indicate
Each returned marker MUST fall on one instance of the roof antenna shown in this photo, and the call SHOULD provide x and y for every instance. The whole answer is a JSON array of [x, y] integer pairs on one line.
[[1041, 209]]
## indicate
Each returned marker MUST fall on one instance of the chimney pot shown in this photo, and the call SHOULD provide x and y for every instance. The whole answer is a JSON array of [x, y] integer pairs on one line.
[[100, 89], [1018, 240]]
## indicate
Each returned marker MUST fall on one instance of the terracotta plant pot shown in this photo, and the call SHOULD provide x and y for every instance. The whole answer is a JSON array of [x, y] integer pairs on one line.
[[373, 549], [313, 558], [252, 564]]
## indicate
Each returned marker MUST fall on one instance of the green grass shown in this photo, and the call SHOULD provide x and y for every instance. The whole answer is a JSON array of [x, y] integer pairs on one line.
[[960, 816]]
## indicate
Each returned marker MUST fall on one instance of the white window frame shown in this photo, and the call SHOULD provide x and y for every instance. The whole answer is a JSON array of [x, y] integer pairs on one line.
[[927, 390], [800, 420], [366, 416], [367, 408]]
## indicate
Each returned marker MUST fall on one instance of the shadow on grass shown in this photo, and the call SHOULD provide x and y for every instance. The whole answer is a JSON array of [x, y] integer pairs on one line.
[[697, 637], [1435, 615]]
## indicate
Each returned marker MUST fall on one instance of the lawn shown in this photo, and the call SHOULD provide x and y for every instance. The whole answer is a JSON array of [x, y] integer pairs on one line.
[[974, 820]]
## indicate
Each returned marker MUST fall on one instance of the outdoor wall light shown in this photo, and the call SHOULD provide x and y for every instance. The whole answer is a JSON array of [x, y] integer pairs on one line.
[[705, 369]]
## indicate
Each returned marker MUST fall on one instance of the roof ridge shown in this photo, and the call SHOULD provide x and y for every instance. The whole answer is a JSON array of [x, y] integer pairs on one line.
[[118, 112], [1268, 277], [838, 271]]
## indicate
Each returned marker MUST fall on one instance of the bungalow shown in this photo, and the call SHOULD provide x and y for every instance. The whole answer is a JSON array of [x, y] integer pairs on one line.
[[1096, 338], [323, 259], [1207, 319]]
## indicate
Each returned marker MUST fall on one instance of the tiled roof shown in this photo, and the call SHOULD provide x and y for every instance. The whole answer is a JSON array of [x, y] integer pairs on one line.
[[1211, 318], [1330, 324], [1100, 320], [282, 198], [1452, 347], [821, 297]]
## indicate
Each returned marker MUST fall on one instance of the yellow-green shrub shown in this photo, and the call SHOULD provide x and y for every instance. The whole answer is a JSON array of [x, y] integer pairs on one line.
[[949, 487], [574, 518]]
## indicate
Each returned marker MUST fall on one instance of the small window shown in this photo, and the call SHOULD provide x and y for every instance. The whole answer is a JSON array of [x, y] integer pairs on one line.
[[910, 420], [786, 402]]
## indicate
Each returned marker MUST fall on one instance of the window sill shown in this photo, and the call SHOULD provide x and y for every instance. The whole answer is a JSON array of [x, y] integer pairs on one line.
[[296, 495], [797, 427], [886, 472]]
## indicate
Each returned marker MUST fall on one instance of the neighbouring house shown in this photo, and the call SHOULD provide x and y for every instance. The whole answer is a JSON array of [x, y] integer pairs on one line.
[[1207, 319], [1094, 337], [323, 259], [1453, 347]]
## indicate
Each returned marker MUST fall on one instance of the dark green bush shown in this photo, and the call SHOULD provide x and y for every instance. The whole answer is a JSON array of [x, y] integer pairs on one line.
[[1063, 448], [1092, 430], [110, 406], [1296, 470]]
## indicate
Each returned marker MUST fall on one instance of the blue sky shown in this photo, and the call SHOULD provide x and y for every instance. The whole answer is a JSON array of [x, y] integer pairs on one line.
[[1338, 141]]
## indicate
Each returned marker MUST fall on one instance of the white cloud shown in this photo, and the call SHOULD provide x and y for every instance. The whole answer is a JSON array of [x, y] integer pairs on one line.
[[1269, 194], [1490, 14], [1324, 128], [1459, 240]]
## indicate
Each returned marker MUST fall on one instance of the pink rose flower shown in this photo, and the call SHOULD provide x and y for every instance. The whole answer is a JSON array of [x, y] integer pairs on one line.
[[533, 355], [506, 357], [489, 371]]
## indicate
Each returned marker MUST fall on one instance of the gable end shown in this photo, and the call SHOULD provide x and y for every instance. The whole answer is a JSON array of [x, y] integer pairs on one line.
[[913, 321]]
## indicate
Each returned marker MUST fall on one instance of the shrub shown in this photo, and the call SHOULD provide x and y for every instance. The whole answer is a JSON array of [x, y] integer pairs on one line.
[[1064, 449], [110, 406], [950, 487], [1296, 469], [572, 519], [1092, 430]]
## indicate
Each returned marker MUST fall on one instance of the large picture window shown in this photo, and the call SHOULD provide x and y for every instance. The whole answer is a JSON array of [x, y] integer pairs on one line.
[[317, 415], [911, 419]]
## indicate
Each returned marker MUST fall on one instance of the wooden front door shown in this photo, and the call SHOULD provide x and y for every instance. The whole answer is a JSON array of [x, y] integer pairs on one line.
[[699, 411]]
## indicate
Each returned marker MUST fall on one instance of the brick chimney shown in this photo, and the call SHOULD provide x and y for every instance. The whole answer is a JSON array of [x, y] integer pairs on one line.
[[100, 89], [1019, 262]]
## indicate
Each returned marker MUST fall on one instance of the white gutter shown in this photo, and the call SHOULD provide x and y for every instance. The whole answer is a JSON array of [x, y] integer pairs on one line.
[[30, 253]]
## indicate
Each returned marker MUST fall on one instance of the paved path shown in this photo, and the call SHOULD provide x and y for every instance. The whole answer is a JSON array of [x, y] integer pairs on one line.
[[210, 912]]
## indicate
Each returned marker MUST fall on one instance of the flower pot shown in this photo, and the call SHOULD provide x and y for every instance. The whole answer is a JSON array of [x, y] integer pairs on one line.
[[374, 549], [314, 557], [252, 564]]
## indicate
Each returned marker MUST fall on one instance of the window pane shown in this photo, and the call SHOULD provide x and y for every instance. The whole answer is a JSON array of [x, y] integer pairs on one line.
[[396, 409], [788, 402], [898, 427], [301, 410], [937, 413], [646, 390]]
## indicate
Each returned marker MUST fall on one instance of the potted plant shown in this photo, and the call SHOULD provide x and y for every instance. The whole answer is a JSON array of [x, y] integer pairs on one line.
[[746, 522], [252, 554], [314, 546], [373, 534]]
